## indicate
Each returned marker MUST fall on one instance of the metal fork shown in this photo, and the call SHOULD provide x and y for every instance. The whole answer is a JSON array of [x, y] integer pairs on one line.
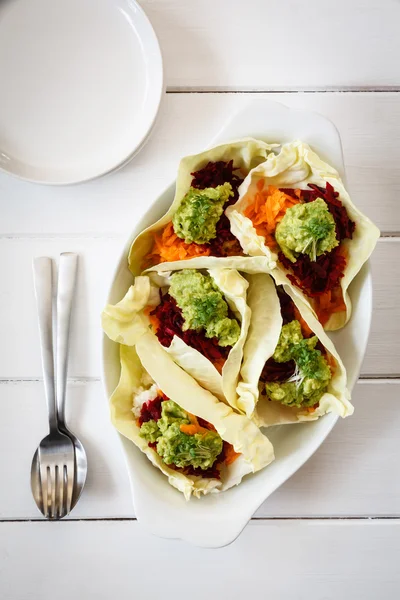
[[53, 465]]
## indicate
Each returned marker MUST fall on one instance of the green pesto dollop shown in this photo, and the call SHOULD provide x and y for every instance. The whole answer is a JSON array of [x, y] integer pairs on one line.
[[306, 229], [310, 381], [199, 212], [177, 448], [203, 306]]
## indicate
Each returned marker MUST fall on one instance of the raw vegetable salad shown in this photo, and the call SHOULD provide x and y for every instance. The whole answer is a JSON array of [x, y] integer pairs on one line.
[[223, 331]]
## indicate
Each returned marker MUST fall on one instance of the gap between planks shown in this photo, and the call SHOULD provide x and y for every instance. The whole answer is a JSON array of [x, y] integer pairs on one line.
[[247, 90], [271, 519]]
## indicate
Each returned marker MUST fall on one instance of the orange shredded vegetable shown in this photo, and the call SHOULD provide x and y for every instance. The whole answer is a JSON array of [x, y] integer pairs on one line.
[[168, 247], [219, 363], [328, 303], [192, 429], [154, 321], [230, 454], [331, 360], [268, 209], [195, 427], [305, 330]]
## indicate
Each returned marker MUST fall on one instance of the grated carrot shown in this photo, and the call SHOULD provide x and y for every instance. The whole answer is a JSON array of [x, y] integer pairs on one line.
[[268, 209], [168, 247], [331, 360], [328, 303], [219, 363], [230, 454], [192, 429], [305, 329], [154, 321], [194, 426]]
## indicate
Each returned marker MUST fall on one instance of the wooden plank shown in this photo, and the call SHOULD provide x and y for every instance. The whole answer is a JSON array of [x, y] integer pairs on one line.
[[383, 353], [277, 45], [285, 560], [19, 350], [351, 475], [369, 124]]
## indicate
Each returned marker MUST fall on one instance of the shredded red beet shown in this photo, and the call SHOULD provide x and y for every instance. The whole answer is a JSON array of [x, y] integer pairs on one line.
[[287, 305], [212, 473], [316, 277], [213, 174], [344, 226], [171, 322], [217, 173], [205, 424], [225, 243], [274, 371], [151, 410], [320, 276]]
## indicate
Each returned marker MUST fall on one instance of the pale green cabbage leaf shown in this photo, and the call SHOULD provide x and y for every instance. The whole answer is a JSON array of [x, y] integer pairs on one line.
[[297, 166], [246, 154], [149, 357], [126, 323], [260, 346], [262, 338]]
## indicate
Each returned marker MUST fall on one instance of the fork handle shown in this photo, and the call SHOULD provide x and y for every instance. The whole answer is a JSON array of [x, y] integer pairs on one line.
[[43, 281], [65, 295]]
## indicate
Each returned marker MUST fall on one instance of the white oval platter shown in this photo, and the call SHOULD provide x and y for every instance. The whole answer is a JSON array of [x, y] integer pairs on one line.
[[216, 520]]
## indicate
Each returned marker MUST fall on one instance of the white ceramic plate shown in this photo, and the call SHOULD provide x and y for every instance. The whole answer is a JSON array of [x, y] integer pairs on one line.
[[216, 520], [81, 84]]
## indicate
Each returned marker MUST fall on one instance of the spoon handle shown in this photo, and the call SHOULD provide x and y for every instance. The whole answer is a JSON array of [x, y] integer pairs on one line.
[[65, 296], [43, 281]]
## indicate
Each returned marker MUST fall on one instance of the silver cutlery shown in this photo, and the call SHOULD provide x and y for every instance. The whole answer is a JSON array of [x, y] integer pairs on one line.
[[59, 465], [65, 295]]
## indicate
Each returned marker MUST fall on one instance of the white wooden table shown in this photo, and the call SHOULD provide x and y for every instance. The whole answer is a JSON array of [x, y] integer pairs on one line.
[[333, 530]]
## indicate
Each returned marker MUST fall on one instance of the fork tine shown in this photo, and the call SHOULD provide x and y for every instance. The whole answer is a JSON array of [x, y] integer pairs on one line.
[[60, 487], [43, 484], [56, 493], [53, 488]]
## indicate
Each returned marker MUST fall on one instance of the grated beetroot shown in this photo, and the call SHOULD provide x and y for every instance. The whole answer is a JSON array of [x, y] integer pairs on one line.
[[225, 243], [274, 371], [316, 277], [213, 174], [171, 322], [217, 173], [344, 226], [151, 410], [287, 305]]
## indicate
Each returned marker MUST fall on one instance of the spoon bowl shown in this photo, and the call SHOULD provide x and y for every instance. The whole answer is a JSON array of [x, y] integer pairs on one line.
[[81, 464]]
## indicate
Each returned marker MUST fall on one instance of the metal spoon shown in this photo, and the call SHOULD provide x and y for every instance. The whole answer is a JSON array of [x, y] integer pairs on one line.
[[65, 295]]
